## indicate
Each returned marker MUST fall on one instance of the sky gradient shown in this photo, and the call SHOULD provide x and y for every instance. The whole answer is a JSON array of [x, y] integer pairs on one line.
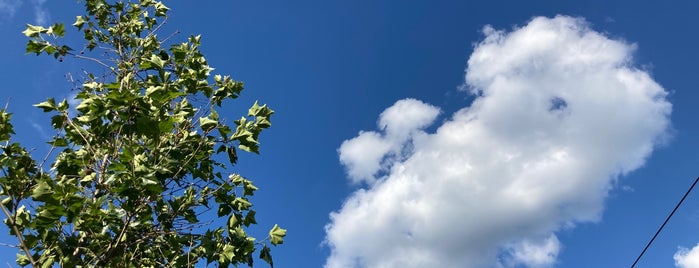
[[440, 133]]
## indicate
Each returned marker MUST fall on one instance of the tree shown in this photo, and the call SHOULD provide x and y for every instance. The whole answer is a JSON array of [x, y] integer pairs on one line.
[[134, 167]]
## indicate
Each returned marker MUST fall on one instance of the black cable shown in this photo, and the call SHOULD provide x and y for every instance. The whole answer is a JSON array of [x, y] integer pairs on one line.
[[666, 220]]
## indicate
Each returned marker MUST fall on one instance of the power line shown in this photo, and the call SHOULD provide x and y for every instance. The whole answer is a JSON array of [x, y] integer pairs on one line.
[[665, 222]]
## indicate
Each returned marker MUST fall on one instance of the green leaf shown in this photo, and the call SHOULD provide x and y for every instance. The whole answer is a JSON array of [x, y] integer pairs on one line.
[[249, 188], [257, 110], [48, 105], [166, 126], [57, 121], [59, 142], [224, 131], [250, 218], [147, 3], [266, 255], [236, 179], [89, 178], [207, 123], [232, 155], [42, 191], [160, 9], [190, 216], [276, 235], [241, 203], [6, 201], [147, 126], [79, 21], [233, 222], [36, 47], [63, 106], [23, 217], [47, 263], [157, 61], [223, 209], [22, 260], [57, 30], [92, 85], [228, 252]]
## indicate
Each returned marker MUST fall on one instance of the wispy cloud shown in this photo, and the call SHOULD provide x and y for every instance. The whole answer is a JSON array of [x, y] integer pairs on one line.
[[40, 130], [41, 14], [9, 7], [560, 113]]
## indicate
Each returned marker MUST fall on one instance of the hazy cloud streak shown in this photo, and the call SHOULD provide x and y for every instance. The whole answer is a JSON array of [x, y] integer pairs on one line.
[[41, 14], [8, 8]]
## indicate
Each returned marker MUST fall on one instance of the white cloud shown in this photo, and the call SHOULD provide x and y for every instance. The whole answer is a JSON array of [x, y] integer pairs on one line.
[[9, 7], [560, 112], [405, 117], [41, 14], [685, 258], [365, 155], [530, 254], [362, 155], [73, 102], [39, 130]]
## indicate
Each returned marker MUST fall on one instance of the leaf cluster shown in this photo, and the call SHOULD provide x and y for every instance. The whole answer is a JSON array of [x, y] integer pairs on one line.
[[135, 166]]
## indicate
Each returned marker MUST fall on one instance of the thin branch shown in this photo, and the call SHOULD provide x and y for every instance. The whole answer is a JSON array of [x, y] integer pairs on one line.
[[53, 146], [18, 234], [193, 154], [79, 130], [117, 239], [100, 177], [95, 60]]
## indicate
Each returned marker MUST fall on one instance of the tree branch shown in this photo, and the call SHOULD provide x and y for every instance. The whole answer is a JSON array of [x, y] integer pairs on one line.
[[18, 234]]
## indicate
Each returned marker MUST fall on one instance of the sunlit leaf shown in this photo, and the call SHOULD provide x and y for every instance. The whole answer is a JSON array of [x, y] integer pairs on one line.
[[207, 124], [276, 235], [79, 22], [33, 30], [48, 105]]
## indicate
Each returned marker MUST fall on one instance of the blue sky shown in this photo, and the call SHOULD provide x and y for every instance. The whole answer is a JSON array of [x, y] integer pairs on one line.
[[433, 141]]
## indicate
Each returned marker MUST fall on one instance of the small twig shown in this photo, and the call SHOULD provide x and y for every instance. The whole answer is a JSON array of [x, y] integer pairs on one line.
[[46, 157], [100, 177], [79, 130], [117, 239], [203, 138], [95, 60]]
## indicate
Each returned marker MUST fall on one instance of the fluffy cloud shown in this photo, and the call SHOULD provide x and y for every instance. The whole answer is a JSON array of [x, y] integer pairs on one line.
[[370, 152], [533, 255], [685, 258], [560, 113]]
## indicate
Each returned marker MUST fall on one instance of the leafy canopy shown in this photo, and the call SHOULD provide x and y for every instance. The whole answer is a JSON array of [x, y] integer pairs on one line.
[[133, 172]]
